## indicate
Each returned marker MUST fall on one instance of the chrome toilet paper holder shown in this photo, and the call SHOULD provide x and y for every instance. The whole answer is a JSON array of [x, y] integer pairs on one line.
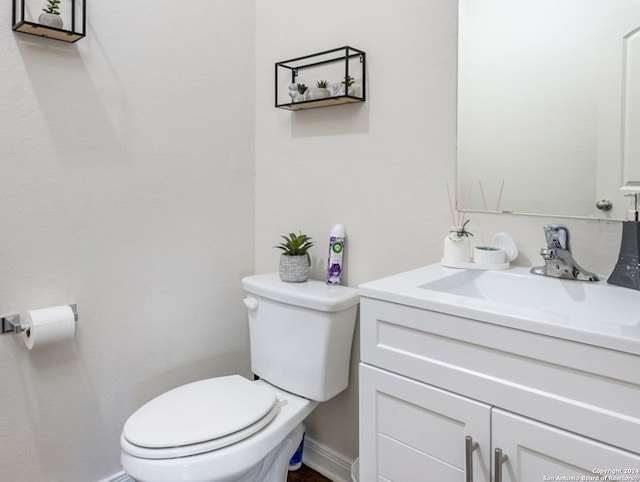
[[11, 323]]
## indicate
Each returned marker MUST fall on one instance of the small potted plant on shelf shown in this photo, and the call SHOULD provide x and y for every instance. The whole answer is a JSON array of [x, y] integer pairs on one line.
[[347, 83], [321, 91], [51, 16], [298, 92], [302, 93], [295, 260]]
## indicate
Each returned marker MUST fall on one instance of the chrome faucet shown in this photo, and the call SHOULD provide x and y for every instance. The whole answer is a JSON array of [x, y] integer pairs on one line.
[[558, 260]]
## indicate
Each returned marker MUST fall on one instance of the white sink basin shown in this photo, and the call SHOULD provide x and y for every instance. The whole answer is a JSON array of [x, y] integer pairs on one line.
[[590, 312], [557, 299]]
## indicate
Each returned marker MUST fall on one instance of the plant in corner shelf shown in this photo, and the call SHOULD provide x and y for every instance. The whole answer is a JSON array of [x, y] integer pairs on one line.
[[51, 16]]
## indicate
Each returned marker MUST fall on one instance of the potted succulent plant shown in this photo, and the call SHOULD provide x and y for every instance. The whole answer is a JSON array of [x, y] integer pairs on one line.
[[295, 260], [321, 91], [51, 16], [302, 93], [346, 84]]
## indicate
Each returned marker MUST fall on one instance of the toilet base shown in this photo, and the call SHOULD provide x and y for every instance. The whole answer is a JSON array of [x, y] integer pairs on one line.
[[275, 466]]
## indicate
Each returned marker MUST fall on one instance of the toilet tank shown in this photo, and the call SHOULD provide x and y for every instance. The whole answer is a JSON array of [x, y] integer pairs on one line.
[[301, 334]]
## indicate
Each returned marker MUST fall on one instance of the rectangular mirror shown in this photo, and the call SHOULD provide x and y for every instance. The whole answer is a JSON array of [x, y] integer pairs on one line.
[[548, 106]]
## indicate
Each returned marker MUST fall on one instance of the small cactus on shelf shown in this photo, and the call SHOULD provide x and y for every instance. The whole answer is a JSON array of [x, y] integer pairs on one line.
[[322, 84]]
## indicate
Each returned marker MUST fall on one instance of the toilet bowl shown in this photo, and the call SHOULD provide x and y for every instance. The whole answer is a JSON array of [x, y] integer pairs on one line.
[[230, 429], [247, 458]]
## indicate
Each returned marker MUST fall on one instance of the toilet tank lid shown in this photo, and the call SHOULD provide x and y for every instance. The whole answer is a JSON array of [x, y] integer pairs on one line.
[[312, 294]]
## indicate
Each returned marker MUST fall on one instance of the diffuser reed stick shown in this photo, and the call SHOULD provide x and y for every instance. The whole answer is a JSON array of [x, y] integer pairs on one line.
[[450, 204], [484, 200], [461, 205], [500, 196], [464, 205]]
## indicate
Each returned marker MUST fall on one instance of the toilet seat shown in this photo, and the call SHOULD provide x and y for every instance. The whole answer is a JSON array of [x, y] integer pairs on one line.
[[199, 417]]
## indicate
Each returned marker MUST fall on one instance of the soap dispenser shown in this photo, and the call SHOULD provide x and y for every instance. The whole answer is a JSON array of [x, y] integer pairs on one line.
[[627, 270]]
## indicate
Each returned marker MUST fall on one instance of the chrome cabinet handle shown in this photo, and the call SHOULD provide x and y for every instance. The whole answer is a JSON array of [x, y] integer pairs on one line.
[[498, 459], [469, 447]]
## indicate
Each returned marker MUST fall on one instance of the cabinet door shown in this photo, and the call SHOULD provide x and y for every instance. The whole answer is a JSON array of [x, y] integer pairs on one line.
[[413, 432], [535, 452]]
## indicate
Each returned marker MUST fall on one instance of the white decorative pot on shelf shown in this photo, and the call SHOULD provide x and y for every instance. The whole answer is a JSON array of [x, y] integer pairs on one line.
[[50, 20], [339, 90], [320, 93]]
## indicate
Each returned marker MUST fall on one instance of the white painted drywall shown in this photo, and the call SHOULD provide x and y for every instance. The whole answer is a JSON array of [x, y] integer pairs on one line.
[[128, 187], [379, 167], [126, 168]]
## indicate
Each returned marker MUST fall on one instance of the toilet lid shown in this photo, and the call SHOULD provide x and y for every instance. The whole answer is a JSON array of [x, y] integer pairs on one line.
[[202, 411]]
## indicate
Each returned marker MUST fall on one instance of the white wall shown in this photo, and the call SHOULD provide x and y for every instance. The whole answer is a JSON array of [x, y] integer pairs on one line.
[[379, 167], [128, 188], [126, 166]]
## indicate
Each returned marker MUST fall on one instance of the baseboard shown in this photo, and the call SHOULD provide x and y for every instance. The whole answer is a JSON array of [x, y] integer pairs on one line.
[[325, 461], [119, 477]]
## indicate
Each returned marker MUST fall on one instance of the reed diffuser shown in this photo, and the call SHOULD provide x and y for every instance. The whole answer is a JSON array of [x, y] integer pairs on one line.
[[457, 245]]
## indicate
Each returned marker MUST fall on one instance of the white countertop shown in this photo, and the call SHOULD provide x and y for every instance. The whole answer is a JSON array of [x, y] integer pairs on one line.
[[593, 313]]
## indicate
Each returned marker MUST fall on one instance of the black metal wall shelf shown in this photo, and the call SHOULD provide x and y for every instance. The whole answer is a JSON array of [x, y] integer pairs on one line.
[[76, 16], [335, 65]]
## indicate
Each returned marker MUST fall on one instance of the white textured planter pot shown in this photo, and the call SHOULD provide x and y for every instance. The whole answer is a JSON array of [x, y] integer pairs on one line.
[[320, 93], [50, 20], [294, 269]]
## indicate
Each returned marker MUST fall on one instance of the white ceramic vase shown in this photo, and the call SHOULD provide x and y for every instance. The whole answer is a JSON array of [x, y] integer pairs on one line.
[[320, 93], [50, 20], [457, 247]]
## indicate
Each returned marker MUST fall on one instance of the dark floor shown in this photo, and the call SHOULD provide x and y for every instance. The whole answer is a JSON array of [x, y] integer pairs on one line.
[[305, 474]]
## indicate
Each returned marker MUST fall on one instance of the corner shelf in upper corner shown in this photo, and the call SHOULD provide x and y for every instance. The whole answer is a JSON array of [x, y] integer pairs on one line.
[[312, 104]]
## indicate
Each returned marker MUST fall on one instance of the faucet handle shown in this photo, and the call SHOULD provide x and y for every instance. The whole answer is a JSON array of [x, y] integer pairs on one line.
[[557, 236], [546, 253]]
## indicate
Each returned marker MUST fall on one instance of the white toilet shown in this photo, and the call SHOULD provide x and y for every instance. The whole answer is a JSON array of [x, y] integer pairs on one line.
[[230, 429]]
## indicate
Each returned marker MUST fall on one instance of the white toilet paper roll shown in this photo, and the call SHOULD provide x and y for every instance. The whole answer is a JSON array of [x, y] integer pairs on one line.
[[48, 325]]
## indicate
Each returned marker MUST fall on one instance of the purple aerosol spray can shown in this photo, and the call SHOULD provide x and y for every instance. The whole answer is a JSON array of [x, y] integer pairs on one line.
[[336, 251]]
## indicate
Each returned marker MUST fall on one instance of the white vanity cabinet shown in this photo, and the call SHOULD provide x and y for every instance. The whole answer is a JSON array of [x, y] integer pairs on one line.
[[411, 431], [445, 398]]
